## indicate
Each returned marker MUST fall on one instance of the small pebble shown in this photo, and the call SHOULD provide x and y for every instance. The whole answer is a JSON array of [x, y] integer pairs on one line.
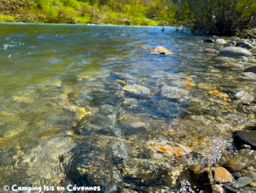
[[253, 184]]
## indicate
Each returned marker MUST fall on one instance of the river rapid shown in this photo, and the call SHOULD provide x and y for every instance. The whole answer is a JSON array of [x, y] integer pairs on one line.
[[86, 105]]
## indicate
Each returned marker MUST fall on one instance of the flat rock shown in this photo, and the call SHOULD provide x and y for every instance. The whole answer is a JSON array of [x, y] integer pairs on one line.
[[245, 137], [235, 52], [245, 96], [243, 159], [250, 69], [211, 51], [242, 182], [173, 92], [230, 189], [221, 175], [252, 175], [136, 89], [220, 41], [160, 50]]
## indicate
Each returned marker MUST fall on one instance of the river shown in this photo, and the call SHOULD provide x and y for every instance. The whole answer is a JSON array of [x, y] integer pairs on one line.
[[87, 105]]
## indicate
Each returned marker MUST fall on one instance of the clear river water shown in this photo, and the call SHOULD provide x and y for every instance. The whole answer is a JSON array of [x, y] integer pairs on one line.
[[86, 105]]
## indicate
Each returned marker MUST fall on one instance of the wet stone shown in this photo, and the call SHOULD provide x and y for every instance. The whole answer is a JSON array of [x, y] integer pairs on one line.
[[251, 175], [136, 89], [242, 182], [107, 109], [243, 159], [236, 174], [230, 189], [245, 137], [221, 175], [250, 69], [208, 40], [235, 52], [245, 96], [91, 163], [166, 108], [146, 169], [173, 92], [130, 102]]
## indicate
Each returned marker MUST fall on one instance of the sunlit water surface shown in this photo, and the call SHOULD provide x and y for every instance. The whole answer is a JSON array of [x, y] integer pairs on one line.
[[61, 88]]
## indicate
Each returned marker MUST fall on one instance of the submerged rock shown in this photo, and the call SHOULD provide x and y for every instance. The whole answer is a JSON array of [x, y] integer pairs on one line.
[[221, 175], [160, 50], [243, 159], [136, 89], [145, 169], [250, 69], [173, 92], [235, 52], [166, 150], [211, 51], [242, 182], [245, 137], [93, 163], [245, 96]]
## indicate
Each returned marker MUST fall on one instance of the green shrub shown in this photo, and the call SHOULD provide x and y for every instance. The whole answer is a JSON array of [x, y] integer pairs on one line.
[[6, 18]]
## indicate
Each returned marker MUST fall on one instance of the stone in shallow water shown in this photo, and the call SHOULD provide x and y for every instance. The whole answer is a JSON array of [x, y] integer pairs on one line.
[[250, 69], [221, 175], [220, 41], [160, 50], [235, 52], [136, 89], [245, 137], [146, 169], [107, 109], [230, 189], [173, 92], [245, 96], [243, 159], [166, 149], [208, 40], [242, 182]]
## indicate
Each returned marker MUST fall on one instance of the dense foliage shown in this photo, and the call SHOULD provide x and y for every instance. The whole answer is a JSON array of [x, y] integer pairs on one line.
[[219, 17], [127, 12]]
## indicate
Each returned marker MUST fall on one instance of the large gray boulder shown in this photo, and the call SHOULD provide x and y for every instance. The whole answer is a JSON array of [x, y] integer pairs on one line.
[[234, 52]]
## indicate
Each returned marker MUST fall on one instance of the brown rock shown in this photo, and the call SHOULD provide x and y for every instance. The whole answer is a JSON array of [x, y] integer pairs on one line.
[[243, 159], [160, 50], [222, 175], [218, 189]]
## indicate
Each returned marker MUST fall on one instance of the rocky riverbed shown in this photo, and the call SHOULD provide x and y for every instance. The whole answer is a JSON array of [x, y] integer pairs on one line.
[[128, 119]]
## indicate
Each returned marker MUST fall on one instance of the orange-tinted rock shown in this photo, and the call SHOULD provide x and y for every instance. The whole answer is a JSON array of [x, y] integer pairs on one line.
[[160, 50], [167, 149], [222, 175]]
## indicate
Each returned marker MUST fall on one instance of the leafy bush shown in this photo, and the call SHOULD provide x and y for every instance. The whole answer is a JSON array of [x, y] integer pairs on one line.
[[6, 18], [220, 17]]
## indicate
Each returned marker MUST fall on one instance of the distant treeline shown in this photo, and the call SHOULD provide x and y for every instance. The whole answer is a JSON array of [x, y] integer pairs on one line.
[[220, 17]]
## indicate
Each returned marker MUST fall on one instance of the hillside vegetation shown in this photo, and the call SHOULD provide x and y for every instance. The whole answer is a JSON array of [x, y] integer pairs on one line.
[[219, 17], [126, 12]]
